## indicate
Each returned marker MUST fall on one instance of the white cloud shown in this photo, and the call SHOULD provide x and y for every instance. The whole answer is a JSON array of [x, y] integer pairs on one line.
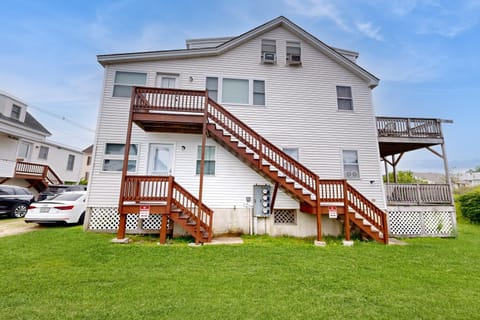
[[369, 30], [318, 9]]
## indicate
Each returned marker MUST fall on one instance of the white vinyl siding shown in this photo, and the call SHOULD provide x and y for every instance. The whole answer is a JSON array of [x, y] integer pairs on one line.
[[301, 101], [124, 82]]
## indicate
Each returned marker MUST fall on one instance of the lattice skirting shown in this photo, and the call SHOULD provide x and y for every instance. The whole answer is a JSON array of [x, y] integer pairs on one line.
[[422, 221], [106, 219]]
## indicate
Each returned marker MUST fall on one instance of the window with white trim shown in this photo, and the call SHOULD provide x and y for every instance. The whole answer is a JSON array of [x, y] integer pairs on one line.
[[294, 53], [344, 98], [212, 87], [269, 51], [124, 81], [43, 153], [209, 168], [292, 152], [168, 81], [70, 162], [113, 159], [24, 150], [236, 91], [16, 111], [351, 168]]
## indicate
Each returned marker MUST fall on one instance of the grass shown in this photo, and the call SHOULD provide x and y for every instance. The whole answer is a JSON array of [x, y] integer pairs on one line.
[[64, 273]]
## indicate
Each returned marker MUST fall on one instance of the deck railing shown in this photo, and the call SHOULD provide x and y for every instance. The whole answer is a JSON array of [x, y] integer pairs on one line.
[[408, 127], [140, 189], [28, 170], [418, 194]]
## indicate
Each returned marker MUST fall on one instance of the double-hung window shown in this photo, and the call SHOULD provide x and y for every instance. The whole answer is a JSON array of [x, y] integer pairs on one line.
[[294, 53], [114, 153], [269, 51], [16, 110], [236, 91], [124, 81], [43, 153], [344, 98], [351, 169], [70, 162], [209, 168]]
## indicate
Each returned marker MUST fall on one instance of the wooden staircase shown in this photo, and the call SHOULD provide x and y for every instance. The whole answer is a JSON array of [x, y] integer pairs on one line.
[[172, 110], [164, 196], [39, 176]]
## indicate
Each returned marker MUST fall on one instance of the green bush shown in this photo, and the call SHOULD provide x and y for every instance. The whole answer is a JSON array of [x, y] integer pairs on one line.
[[470, 206]]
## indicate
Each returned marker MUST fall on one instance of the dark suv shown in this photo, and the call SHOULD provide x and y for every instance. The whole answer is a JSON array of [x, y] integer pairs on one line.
[[14, 201], [54, 190]]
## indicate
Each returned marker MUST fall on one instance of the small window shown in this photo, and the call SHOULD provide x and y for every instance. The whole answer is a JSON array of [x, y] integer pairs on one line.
[[43, 153], [344, 98], [209, 160], [70, 162], [212, 87], [269, 51], [24, 150], [351, 169], [235, 91], [89, 160], [124, 82], [166, 81], [16, 110], [258, 92], [294, 52], [114, 153], [292, 152]]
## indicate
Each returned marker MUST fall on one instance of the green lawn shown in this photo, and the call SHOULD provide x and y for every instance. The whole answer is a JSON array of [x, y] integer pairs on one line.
[[64, 273]]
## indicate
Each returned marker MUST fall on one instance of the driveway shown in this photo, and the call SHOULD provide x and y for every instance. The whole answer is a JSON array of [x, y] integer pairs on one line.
[[10, 227]]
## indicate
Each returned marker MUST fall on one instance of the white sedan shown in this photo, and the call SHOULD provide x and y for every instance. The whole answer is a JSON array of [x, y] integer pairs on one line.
[[68, 207]]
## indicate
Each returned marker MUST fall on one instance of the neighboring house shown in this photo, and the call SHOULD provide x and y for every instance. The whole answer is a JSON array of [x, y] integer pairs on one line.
[[430, 177], [87, 163], [470, 179], [27, 158], [284, 141]]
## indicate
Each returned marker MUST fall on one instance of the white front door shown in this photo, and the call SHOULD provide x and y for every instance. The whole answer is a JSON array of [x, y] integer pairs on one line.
[[160, 159]]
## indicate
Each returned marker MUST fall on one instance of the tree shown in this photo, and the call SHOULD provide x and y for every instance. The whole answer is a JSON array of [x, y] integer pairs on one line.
[[476, 169], [403, 177]]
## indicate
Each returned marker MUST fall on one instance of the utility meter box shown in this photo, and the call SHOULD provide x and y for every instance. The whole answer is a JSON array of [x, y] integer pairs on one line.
[[262, 197]]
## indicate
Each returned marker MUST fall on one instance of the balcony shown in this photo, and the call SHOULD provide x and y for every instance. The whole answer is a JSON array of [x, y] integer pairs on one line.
[[418, 194]]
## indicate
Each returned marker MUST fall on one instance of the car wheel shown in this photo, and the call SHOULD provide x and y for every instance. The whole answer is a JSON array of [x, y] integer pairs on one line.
[[81, 219], [20, 210]]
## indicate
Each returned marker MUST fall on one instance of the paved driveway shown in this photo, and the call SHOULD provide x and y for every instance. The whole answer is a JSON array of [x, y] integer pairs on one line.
[[9, 227]]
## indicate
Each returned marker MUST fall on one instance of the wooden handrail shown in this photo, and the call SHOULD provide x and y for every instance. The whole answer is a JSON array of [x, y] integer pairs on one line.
[[262, 147], [37, 170], [418, 194], [408, 127]]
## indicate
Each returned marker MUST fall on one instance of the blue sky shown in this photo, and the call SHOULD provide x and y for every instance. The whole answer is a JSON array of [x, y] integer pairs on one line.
[[424, 52]]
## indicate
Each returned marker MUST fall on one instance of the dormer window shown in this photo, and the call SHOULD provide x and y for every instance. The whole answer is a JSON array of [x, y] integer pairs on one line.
[[269, 51], [294, 52], [16, 110]]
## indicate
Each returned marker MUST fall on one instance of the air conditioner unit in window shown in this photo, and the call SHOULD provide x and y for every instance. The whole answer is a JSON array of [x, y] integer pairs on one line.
[[294, 59], [269, 57]]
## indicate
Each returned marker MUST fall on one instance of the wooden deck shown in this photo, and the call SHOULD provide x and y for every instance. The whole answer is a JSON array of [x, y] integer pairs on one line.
[[399, 135], [418, 194]]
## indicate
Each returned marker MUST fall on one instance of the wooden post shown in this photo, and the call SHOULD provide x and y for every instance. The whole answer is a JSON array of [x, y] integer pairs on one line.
[[319, 213], [202, 166], [445, 163], [274, 197], [260, 152], [123, 217], [163, 230], [345, 210]]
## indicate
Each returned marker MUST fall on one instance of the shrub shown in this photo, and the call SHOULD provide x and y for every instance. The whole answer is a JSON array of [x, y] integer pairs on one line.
[[470, 206]]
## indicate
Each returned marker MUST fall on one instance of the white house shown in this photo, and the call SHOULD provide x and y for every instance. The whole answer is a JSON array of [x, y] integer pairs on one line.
[[27, 157], [286, 117]]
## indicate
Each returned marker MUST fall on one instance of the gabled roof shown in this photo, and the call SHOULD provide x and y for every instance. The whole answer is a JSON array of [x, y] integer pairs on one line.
[[88, 149], [237, 41], [30, 123]]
